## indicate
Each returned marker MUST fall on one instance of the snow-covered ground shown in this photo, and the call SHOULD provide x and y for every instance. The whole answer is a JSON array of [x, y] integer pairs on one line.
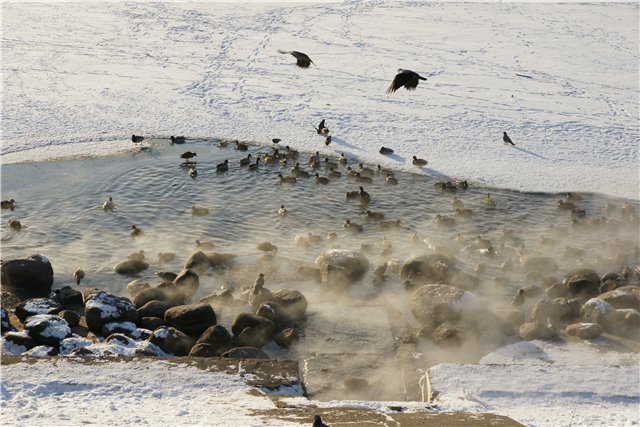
[[561, 79]]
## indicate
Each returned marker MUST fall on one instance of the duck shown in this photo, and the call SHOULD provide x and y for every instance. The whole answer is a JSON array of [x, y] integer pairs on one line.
[[462, 184], [328, 164], [177, 139], [322, 129], [445, 221], [136, 232], [290, 153], [365, 171], [78, 275], [187, 156], [327, 140], [283, 211], [223, 144], [199, 211], [315, 158], [506, 139], [136, 138], [137, 256], [457, 203], [353, 195], [343, 159], [302, 59], [488, 200], [240, 146], [165, 257], [222, 167], [464, 213], [275, 140], [108, 205], [519, 299], [246, 160], [386, 150], [193, 172], [295, 170], [391, 224], [562, 205], [321, 179], [445, 186], [267, 247], [8, 204], [390, 179], [419, 162], [363, 179], [204, 246], [382, 171], [254, 166], [373, 216], [334, 173], [286, 179], [352, 226], [350, 172], [365, 198]]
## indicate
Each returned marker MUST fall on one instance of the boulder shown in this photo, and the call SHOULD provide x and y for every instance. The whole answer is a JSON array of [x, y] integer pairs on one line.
[[188, 281], [47, 329], [623, 297], [18, 342], [624, 322], [150, 323], [251, 337], [537, 331], [68, 297], [256, 299], [5, 322], [293, 302], [42, 351], [555, 310], [192, 319], [425, 269], [153, 308], [168, 293], [584, 282], [172, 341], [446, 334], [540, 264], [274, 312], [217, 338], [129, 329], [35, 306], [28, 277], [131, 267], [556, 290], [355, 264], [435, 304], [72, 318], [203, 350], [220, 260], [596, 311], [102, 308], [245, 353], [68, 345], [246, 320], [198, 262], [175, 294], [585, 331], [136, 286]]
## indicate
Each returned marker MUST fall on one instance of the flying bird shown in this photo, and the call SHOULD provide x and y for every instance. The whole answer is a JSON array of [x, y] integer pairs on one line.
[[322, 129], [506, 139], [302, 60], [407, 78]]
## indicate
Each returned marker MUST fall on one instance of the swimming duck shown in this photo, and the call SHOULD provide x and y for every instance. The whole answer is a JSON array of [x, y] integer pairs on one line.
[[223, 167], [385, 150], [419, 162], [352, 226], [350, 172], [78, 275], [240, 146], [254, 166], [137, 256], [136, 232], [390, 179], [562, 205], [321, 179], [353, 194], [391, 224], [193, 172], [223, 144], [373, 216], [343, 158], [245, 161], [363, 179], [365, 198], [108, 205], [8, 204], [447, 186], [165, 257], [328, 164], [286, 179], [299, 172], [137, 138], [460, 183], [334, 173], [315, 164], [291, 153], [199, 211], [283, 211], [187, 155], [445, 221], [464, 213], [267, 247], [204, 246], [488, 200], [177, 139], [364, 170], [382, 171]]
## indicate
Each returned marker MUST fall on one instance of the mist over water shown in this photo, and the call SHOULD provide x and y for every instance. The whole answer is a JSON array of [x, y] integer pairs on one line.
[[361, 333]]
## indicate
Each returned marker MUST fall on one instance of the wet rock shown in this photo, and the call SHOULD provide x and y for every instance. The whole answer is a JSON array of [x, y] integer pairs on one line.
[[246, 320], [68, 297], [198, 263], [274, 312], [293, 302], [435, 304], [557, 290], [433, 268], [151, 323], [218, 340], [192, 319], [169, 294], [355, 264], [537, 331], [71, 317], [172, 341], [585, 331], [245, 353], [539, 263], [18, 342], [136, 286], [188, 281], [102, 308], [596, 311], [5, 322], [47, 329], [287, 338], [251, 337], [446, 334], [583, 282], [28, 277], [131, 267], [35, 306], [153, 308], [624, 322], [623, 297], [555, 310]]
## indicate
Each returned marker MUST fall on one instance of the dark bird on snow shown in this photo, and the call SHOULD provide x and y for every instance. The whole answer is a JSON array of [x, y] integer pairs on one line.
[[506, 139], [407, 78], [177, 139], [317, 421], [419, 162], [137, 138], [302, 60], [327, 140], [322, 129], [188, 155], [276, 140], [385, 150]]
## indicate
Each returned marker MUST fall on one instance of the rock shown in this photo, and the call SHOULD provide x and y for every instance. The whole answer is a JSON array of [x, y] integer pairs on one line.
[[218, 338], [596, 311], [41, 351], [192, 319], [203, 350], [172, 341], [251, 337], [28, 277], [68, 345], [435, 304], [462, 280], [308, 272], [555, 310], [257, 299], [153, 308], [150, 323], [131, 267], [188, 281], [175, 294], [198, 263], [18, 342], [623, 297], [536, 331], [136, 286], [287, 338], [246, 320], [624, 322], [433, 268], [585, 331], [129, 329], [47, 329], [71, 317], [274, 312], [120, 339], [293, 302], [5, 322], [446, 334], [583, 282], [68, 297], [169, 294], [557, 290], [245, 353], [220, 260], [35, 306], [539, 263], [355, 264], [101, 308]]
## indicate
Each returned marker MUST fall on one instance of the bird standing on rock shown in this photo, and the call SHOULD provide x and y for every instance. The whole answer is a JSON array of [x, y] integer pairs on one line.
[[259, 283], [302, 60], [407, 78], [506, 139]]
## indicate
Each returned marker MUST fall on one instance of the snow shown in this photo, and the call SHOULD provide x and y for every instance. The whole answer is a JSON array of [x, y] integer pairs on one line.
[[57, 327], [561, 79]]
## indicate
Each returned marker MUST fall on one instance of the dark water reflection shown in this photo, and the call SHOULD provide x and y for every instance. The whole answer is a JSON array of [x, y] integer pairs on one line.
[[59, 204]]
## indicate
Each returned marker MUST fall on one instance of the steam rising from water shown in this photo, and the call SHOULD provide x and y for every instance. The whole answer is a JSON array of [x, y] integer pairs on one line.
[[367, 331]]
